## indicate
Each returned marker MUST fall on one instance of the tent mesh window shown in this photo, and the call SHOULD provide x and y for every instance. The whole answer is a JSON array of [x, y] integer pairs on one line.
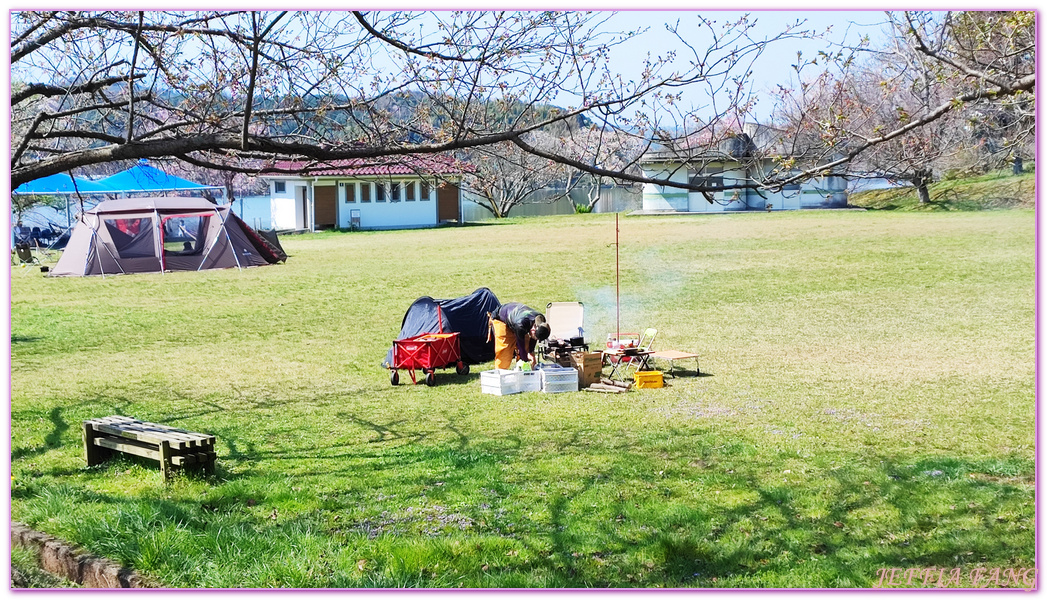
[[185, 235], [132, 238]]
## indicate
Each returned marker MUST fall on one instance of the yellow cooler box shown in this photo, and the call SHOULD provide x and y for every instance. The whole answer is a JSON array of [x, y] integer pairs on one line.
[[648, 379]]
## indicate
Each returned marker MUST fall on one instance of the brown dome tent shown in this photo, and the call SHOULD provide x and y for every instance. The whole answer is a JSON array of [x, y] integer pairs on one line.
[[150, 235]]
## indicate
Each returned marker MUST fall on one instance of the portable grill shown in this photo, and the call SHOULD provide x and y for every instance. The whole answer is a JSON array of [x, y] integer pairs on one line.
[[559, 351], [566, 333]]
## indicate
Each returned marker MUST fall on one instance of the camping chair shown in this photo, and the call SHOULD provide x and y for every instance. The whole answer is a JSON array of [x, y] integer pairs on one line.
[[25, 257], [565, 320], [566, 335], [25, 254], [45, 251]]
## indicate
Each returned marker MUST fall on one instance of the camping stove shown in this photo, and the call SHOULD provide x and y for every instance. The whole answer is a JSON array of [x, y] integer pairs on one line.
[[559, 351]]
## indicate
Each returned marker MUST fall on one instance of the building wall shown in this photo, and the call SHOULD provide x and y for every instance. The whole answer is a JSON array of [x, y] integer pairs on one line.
[[657, 197], [723, 201], [390, 214], [256, 211], [287, 211], [282, 205], [828, 192]]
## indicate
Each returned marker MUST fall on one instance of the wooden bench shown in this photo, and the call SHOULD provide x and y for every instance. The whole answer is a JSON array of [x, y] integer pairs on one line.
[[172, 447]]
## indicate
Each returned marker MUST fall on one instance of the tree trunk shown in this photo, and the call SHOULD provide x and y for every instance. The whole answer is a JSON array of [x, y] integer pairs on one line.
[[922, 178], [925, 195], [594, 198]]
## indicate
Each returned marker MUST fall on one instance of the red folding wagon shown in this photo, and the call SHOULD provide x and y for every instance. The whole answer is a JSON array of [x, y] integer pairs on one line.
[[427, 352]]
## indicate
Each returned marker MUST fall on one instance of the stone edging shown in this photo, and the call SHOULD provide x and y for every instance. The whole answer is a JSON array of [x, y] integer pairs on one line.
[[65, 560]]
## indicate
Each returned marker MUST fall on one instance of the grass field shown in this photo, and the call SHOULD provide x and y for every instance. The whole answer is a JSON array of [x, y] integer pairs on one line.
[[867, 402], [988, 191]]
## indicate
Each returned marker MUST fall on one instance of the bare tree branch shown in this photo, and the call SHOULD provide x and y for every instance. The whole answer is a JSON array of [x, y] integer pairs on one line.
[[46, 89]]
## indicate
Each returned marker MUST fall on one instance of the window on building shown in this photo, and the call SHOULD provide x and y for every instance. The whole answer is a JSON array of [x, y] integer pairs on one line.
[[707, 179], [379, 192], [409, 191], [347, 191], [365, 192], [427, 190], [394, 191], [279, 187]]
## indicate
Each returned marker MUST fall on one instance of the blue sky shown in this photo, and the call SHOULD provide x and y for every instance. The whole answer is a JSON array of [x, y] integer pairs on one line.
[[773, 66]]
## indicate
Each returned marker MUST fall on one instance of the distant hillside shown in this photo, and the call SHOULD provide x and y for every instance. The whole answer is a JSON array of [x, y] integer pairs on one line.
[[985, 192]]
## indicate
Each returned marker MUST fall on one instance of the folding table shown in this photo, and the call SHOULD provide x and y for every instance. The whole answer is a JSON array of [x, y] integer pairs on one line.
[[622, 359], [674, 355]]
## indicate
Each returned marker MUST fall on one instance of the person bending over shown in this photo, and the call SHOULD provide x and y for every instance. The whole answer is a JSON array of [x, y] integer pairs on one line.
[[517, 328]]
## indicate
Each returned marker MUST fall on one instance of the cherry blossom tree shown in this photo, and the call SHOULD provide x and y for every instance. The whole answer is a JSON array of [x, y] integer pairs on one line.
[[942, 85], [239, 90]]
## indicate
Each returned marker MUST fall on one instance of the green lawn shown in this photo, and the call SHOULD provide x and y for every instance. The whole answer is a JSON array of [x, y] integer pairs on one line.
[[988, 191], [868, 403]]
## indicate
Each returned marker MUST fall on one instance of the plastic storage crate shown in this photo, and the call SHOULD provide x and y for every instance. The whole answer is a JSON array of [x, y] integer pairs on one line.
[[530, 381], [556, 380], [500, 382], [648, 379]]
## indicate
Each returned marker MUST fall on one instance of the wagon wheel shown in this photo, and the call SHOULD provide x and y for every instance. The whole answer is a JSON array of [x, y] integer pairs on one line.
[[430, 378], [394, 377], [462, 368]]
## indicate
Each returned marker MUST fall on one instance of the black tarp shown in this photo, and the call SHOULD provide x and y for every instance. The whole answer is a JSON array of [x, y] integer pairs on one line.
[[467, 315]]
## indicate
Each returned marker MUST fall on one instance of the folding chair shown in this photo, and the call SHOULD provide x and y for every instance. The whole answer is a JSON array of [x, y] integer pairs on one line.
[[45, 251], [565, 320], [25, 254], [24, 257]]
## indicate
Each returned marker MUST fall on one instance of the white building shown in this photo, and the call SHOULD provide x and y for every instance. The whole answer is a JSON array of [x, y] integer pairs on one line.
[[736, 161], [400, 192]]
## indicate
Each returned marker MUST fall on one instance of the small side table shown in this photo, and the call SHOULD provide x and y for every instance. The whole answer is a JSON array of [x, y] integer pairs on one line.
[[674, 355]]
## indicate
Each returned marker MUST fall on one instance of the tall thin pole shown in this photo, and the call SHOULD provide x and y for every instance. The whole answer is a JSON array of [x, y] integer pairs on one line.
[[617, 286]]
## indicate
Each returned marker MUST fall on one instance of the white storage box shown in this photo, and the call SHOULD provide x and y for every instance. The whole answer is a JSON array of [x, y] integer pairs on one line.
[[500, 382], [530, 381], [556, 380]]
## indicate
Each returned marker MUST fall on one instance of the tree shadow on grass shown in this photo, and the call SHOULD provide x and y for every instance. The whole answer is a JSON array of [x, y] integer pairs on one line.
[[722, 519], [889, 515], [51, 441]]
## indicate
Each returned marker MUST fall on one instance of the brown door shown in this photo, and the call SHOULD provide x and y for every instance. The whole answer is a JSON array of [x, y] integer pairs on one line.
[[447, 208], [325, 206]]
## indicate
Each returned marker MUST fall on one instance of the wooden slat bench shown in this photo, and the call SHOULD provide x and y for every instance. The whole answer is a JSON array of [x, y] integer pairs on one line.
[[172, 447]]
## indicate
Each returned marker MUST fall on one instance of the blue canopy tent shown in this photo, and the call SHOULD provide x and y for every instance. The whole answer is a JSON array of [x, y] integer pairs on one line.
[[60, 184], [145, 178], [141, 178]]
